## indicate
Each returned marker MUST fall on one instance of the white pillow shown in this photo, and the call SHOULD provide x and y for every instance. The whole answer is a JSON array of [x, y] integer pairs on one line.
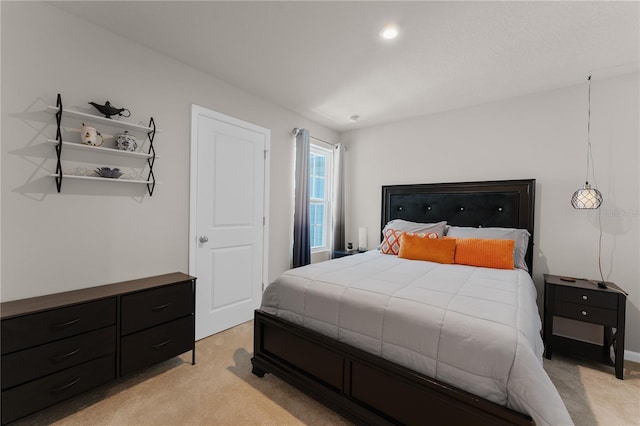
[[520, 236]]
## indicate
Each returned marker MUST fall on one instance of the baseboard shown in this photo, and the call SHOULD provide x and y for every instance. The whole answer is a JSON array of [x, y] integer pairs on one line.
[[632, 356]]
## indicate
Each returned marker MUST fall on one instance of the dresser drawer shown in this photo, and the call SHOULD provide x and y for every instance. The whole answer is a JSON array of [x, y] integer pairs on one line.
[[152, 307], [31, 330], [156, 344], [23, 400], [29, 364], [586, 313], [587, 297]]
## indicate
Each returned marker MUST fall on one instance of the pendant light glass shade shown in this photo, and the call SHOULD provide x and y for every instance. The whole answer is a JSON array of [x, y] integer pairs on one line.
[[586, 198]]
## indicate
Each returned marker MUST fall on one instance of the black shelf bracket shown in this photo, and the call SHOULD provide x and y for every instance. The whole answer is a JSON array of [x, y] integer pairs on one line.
[[151, 160], [59, 145]]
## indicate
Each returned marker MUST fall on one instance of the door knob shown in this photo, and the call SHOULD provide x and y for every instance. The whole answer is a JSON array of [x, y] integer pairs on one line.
[[203, 239]]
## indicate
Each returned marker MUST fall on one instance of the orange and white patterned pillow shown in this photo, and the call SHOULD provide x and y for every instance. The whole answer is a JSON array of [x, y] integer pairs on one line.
[[391, 240]]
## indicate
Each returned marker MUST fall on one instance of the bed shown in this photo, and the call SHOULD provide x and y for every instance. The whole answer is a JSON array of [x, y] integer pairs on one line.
[[411, 358]]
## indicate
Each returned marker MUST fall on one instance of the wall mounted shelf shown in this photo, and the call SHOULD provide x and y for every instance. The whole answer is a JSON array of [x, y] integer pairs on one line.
[[149, 156], [99, 149], [102, 120], [66, 176]]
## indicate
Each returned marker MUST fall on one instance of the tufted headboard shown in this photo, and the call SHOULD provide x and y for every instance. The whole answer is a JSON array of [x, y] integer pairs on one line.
[[505, 203]]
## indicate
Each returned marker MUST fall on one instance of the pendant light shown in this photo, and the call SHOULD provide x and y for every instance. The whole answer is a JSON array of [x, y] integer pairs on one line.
[[587, 197]]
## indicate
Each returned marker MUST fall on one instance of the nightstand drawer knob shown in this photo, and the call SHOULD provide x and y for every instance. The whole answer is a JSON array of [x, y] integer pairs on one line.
[[584, 313], [584, 297]]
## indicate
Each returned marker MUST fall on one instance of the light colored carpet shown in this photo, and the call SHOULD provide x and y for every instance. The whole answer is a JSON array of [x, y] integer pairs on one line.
[[220, 390], [592, 393]]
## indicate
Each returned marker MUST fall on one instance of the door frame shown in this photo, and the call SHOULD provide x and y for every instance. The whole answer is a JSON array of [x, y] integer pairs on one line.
[[196, 112]]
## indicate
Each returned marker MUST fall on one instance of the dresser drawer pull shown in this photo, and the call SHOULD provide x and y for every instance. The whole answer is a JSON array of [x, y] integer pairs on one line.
[[584, 297], [65, 387], [161, 307], [584, 313], [58, 358], [66, 324], [159, 345]]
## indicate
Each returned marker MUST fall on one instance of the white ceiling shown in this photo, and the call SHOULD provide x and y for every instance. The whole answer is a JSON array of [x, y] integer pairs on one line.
[[326, 61]]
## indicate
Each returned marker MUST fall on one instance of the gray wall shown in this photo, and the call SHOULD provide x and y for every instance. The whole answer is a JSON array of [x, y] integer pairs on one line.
[[96, 233], [541, 136]]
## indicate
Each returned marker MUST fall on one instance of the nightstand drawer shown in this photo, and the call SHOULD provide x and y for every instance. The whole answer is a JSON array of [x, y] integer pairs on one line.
[[31, 330], [152, 307], [586, 313], [587, 297], [29, 364]]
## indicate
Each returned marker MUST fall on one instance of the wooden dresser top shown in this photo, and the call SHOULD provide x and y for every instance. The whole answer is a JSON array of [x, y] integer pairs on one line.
[[32, 305]]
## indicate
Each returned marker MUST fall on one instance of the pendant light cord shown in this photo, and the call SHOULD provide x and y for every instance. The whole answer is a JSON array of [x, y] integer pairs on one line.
[[589, 130], [600, 246], [593, 174]]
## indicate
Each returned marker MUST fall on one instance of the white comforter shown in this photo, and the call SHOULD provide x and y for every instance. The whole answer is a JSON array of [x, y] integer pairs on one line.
[[474, 328]]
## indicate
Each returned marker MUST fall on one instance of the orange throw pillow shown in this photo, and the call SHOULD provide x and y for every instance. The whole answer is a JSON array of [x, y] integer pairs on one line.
[[424, 247], [486, 253]]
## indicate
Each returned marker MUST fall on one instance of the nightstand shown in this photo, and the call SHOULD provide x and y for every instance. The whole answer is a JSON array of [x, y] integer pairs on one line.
[[582, 300], [343, 253]]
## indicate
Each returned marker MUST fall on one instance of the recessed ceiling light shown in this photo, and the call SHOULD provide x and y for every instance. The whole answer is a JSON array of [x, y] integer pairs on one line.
[[353, 118], [389, 32]]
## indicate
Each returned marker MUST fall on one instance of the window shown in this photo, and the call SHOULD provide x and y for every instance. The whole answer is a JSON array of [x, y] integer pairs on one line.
[[320, 162]]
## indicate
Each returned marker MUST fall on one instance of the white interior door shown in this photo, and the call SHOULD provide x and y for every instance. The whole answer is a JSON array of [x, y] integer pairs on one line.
[[228, 232]]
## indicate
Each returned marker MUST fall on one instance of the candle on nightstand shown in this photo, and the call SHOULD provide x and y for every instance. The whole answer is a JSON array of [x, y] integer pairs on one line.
[[362, 239]]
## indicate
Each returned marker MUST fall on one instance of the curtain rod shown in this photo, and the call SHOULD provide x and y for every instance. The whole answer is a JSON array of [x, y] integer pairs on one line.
[[335, 145], [296, 130]]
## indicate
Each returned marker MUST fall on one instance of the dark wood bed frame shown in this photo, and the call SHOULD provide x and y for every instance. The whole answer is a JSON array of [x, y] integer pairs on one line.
[[368, 389]]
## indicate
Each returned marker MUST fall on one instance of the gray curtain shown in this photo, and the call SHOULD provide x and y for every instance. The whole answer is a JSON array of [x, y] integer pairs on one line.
[[337, 240], [301, 228]]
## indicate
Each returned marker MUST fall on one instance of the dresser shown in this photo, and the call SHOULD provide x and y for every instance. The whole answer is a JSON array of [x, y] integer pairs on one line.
[[58, 346], [583, 300]]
